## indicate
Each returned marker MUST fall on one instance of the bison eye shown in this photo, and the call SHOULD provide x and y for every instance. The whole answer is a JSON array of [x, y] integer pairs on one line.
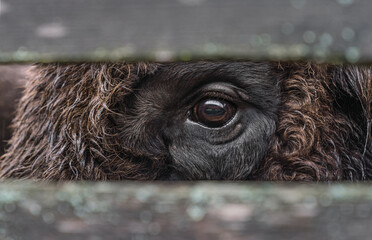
[[213, 113]]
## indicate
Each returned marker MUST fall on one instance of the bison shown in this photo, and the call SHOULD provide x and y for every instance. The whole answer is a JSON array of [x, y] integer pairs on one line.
[[219, 120]]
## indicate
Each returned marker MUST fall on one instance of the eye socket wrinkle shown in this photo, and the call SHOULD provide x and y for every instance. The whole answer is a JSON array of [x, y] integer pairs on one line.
[[216, 90]]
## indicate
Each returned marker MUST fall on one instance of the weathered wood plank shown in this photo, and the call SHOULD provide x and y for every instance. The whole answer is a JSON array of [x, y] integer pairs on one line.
[[165, 30], [130, 210]]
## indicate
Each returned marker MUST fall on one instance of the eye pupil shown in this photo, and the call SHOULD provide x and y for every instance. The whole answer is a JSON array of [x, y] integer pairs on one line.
[[213, 113], [213, 108]]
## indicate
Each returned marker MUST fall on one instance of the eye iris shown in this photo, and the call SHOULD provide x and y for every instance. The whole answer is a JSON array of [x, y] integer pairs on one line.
[[212, 109], [213, 113]]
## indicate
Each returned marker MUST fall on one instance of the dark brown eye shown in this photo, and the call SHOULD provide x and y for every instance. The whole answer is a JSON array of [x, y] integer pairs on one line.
[[213, 112]]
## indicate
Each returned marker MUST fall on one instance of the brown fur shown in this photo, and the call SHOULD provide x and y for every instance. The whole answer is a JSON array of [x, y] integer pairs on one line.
[[12, 80], [63, 129], [315, 139], [82, 145]]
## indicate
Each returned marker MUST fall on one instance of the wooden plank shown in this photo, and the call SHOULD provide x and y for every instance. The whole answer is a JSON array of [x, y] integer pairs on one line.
[[168, 30], [203, 210]]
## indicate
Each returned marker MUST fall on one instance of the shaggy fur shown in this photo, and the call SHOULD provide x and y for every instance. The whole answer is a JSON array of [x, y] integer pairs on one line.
[[67, 125], [12, 80], [62, 132], [323, 132]]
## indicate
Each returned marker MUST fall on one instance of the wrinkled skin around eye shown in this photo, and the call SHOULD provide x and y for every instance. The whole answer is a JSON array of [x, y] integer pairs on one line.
[[212, 120]]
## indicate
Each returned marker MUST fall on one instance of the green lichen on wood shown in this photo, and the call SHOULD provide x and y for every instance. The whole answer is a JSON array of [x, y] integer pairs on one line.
[[131, 210]]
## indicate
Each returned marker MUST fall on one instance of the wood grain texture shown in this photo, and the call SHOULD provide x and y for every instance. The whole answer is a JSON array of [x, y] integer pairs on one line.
[[129, 210], [168, 30]]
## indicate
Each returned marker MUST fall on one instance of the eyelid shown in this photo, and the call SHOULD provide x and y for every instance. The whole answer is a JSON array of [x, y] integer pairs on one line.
[[220, 90], [216, 95]]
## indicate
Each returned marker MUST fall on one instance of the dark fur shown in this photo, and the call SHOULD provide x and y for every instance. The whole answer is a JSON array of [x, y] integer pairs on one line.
[[323, 131], [12, 81], [128, 121]]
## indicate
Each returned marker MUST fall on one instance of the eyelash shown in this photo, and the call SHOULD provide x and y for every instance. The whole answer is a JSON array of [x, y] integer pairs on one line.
[[215, 95], [227, 92]]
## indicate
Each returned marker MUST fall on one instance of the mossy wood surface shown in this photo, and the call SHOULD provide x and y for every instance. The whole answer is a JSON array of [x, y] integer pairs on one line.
[[168, 30], [202, 210]]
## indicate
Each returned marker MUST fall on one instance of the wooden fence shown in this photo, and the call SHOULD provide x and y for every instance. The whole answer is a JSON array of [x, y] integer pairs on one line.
[[183, 30]]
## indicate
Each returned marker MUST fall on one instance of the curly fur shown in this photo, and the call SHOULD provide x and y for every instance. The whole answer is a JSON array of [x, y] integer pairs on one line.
[[318, 137], [62, 128], [65, 127]]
